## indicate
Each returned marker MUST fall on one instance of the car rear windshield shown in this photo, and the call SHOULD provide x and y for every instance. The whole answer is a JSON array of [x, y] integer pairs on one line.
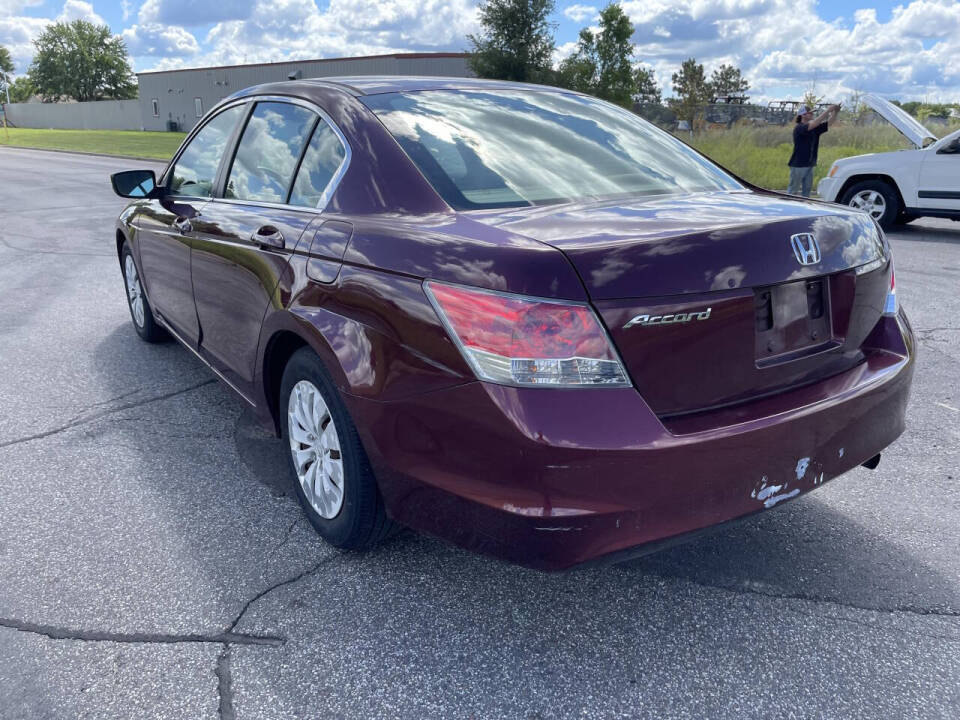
[[506, 148]]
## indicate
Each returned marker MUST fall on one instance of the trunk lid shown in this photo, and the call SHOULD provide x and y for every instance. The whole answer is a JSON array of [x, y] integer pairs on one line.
[[710, 300]]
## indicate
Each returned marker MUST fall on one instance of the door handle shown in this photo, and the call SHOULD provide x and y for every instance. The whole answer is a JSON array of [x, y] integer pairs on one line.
[[183, 225], [268, 237]]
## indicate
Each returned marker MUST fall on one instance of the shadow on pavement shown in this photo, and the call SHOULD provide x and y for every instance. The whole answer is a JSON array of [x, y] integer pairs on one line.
[[927, 233]]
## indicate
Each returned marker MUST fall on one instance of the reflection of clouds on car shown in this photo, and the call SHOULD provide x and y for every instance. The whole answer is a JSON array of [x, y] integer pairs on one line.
[[196, 168], [268, 152], [467, 144], [320, 164]]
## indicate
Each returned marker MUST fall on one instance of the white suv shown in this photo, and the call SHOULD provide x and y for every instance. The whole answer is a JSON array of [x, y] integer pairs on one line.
[[897, 187]]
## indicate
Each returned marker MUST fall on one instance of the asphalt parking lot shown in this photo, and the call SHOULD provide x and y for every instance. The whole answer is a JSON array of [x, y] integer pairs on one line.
[[153, 562]]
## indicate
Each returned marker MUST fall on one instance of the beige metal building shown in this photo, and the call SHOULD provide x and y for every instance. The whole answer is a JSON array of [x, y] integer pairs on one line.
[[177, 99]]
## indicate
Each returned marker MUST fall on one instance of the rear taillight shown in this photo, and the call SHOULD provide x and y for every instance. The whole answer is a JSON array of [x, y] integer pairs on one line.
[[517, 340], [890, 306]]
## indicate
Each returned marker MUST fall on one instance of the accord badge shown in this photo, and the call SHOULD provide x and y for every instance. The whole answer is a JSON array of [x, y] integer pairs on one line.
[[668, 319]]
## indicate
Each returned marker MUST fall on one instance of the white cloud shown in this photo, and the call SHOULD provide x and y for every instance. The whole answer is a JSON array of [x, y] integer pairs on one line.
[[160, 41], [562, 52], [784, 45], [292, 29], [579, 13], [17, 31], [12, 7], [79, 10]]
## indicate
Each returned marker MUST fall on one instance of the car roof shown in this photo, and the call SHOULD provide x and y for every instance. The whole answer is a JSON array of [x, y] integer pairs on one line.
[[377, 84]]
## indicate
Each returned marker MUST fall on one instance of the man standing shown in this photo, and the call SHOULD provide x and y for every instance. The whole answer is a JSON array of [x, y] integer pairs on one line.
[[806, 142]]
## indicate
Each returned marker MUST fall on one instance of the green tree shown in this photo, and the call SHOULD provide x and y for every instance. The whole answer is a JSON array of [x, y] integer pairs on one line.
[[21, 90], [602, 63], [516, 42], [6, 62], [578, 71], [811, 99], [692, 89], [82, 61], [647, 90], [727, 81], [911, 107]]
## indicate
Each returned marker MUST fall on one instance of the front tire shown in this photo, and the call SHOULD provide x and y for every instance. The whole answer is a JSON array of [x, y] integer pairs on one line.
[[875, 197], [331, 473], [140, 310]]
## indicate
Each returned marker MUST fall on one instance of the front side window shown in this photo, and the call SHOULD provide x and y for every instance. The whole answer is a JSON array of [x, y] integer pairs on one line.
[[268, 152], [320, 163], [196, 168], [486, 149]]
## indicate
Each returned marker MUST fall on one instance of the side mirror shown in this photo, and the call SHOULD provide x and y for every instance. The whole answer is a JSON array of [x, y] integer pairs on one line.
[[135, 184], [951, 149]]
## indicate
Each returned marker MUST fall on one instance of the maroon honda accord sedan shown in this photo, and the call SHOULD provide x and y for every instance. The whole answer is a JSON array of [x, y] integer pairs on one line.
[[516, 317]]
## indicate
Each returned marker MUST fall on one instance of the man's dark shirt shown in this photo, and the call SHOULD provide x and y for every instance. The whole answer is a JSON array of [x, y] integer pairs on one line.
[[806, 142]]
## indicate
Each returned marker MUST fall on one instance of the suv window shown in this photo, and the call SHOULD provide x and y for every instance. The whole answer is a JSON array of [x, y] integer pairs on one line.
[[196, 169], [320, 163], [268, 152]]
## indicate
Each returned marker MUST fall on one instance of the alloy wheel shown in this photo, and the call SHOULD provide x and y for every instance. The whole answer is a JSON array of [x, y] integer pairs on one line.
[[315, 446], [134, 291], [870, 201]]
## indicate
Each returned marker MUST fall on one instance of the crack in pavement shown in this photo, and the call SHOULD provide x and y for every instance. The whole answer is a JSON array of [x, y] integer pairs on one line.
[[37, 251], [287, 536], [222, 669], [227, 638], [756, 591], [109, 411], [873, 626], [928, 344], [55, 632], [936, 329]]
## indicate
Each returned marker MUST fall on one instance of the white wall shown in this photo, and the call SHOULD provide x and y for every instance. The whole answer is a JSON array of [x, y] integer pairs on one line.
[[102, 115]]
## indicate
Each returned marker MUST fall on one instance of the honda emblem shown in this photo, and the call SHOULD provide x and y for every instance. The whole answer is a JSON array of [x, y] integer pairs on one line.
[[805, 248]]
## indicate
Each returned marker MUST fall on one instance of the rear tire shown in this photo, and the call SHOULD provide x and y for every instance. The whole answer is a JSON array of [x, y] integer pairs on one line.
[[140, 311], [332, 476], [877, 198]]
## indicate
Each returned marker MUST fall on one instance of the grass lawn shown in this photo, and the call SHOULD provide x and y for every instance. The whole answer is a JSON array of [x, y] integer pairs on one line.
[[760, 155], [160, 145]]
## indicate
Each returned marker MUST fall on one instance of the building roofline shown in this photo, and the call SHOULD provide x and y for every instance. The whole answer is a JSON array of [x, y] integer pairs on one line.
[[397, 56]]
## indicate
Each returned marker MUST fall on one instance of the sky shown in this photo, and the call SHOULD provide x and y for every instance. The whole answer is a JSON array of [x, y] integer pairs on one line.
[[905, 50]]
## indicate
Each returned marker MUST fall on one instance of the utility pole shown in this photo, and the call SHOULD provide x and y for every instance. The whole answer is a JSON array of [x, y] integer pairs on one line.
[[6, 90]]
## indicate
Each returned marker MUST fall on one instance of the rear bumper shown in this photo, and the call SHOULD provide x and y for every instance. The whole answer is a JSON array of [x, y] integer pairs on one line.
[[554, 478]]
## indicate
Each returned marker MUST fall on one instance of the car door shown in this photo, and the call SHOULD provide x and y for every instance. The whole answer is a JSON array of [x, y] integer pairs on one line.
[[253, 226], [939, 185], [165, 226]]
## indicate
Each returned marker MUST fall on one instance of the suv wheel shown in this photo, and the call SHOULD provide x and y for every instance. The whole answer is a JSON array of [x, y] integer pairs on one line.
[[332, 475], [140, 311], [876, 198]]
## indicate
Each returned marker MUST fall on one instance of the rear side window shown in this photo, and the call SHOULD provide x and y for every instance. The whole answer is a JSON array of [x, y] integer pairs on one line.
[[268, 152], [323, 158], [196, 169]]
